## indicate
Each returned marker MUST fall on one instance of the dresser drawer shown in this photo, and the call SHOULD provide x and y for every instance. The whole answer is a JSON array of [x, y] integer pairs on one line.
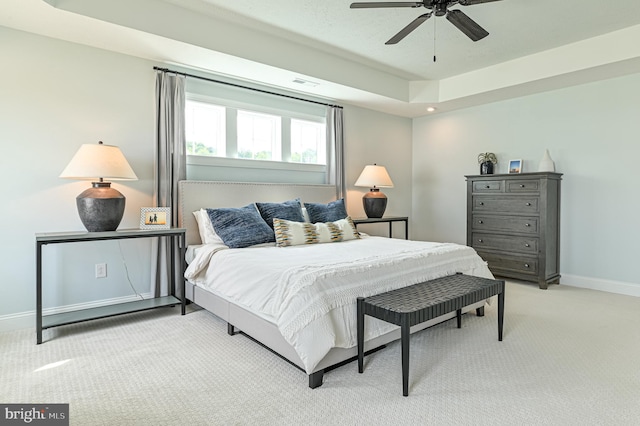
[[488, 186], [509, 243], [514, 264], [523, 186], [522, 224], [505, 204]]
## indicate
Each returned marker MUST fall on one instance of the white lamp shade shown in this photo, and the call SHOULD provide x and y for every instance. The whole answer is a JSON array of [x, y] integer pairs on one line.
[[95, 161], [374, 176]]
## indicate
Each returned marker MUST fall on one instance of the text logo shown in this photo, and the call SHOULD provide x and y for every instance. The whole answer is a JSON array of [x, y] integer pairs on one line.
[[34, 414]]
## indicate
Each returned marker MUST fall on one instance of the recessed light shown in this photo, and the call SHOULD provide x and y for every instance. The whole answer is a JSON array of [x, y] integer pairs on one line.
[[431, 109]]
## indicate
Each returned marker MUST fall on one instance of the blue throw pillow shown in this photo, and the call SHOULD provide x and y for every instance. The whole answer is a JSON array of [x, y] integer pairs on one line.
[[240, 227], [331, 212], [289, 210]]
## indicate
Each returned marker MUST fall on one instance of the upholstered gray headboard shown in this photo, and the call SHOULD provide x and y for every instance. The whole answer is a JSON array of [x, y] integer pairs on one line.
[[194, 195]]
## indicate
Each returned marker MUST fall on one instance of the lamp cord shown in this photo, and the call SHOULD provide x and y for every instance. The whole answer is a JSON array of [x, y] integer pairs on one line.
[[126, 270]]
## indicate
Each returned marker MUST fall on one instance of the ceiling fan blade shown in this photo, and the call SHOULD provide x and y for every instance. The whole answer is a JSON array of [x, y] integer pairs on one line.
[[366, 5], [467, 25], [406, 30], [472, 2]]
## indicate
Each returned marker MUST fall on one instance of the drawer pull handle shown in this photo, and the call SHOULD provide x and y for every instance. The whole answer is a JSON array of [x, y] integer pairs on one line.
[[480, 240], [480, 221], [487, 187], [527, 245], [526, 265], [481, 203], [521, 185], [527, 204], [527, 225]]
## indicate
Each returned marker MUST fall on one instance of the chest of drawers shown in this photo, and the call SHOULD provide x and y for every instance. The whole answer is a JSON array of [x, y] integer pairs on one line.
[[513, 222]]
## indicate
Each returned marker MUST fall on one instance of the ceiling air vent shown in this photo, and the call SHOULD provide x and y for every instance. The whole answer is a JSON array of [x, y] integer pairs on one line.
[[307, 83]]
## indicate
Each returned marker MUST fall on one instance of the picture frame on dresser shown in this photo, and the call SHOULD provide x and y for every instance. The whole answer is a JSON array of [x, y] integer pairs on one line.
[[515, 166], [155, 217]]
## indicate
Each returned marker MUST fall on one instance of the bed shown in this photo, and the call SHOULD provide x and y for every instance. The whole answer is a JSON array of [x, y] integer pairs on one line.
[[299, 301]]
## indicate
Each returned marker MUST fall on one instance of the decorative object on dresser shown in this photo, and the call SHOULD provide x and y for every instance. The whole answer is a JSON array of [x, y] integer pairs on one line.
[[100, 207], [546, 164], [515, 166], [513, 222], [486, 161], [374, 201]]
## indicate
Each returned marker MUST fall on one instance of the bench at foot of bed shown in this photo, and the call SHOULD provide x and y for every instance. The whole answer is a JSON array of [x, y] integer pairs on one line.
[[409, 306]]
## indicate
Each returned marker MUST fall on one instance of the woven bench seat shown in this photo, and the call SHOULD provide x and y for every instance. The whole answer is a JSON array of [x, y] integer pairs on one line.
[[421, 302]]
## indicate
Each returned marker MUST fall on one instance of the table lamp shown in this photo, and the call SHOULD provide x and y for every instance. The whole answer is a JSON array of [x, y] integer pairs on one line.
[[100, 207], [374, 201]]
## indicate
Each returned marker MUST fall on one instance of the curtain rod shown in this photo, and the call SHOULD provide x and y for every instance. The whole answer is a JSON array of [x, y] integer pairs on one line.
[[244, 87]]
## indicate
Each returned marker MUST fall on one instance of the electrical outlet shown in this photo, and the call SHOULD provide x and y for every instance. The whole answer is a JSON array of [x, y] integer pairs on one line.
[[101, 270]]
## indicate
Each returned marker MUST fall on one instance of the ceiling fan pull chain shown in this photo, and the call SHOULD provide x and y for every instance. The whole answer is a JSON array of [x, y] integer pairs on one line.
[[434, 40]]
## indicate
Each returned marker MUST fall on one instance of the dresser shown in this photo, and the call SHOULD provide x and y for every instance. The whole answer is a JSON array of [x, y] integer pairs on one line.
[[513, 222]]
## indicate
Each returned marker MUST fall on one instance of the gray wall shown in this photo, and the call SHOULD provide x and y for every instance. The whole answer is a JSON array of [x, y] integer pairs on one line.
[[55, 96], [591, 132]]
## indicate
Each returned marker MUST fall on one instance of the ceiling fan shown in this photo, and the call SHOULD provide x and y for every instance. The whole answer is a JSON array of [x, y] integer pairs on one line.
[[441, 8]]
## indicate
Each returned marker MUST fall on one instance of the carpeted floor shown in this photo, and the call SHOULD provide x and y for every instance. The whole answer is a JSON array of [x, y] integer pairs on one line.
[[570, 356]]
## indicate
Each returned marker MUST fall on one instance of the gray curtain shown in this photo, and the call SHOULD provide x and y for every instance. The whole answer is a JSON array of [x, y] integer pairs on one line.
[[169, 168], [335, 158]]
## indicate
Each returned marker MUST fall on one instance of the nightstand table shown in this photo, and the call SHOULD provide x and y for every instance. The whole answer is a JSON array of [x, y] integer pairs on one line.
[[173, 235], [385, 219]]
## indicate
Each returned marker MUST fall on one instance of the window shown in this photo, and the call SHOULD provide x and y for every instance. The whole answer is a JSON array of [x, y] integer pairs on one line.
[[230, 130], [258, 136], [205, 129], [308, 142]]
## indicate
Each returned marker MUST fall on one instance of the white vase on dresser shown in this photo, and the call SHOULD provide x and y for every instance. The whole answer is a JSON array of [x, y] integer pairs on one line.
[[546, 164]]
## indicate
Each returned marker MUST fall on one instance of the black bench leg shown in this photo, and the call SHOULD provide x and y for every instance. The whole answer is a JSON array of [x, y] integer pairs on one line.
[[480, 311], [404, 337], [315, 379], [360, 332], [459, 317], [500, 314]]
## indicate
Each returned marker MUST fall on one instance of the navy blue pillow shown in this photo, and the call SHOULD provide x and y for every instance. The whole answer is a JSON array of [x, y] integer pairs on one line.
[[240, 227], [289, 210], [331, 212]]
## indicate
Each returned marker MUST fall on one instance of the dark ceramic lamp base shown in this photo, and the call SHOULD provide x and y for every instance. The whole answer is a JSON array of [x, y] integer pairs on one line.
[[101, 207], [375, 203]]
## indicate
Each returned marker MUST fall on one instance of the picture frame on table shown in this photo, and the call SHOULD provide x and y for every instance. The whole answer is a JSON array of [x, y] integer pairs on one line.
[[515, 166], [155, 217]]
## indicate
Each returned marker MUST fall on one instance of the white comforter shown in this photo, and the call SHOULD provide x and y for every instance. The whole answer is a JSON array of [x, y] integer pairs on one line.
[[309, 291]]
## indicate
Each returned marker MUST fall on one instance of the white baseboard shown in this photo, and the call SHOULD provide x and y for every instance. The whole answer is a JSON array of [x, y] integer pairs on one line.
[[27, 319], [619, 287]]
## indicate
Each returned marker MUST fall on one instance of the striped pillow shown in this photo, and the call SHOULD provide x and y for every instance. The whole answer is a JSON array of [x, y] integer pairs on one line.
[[289, 233]]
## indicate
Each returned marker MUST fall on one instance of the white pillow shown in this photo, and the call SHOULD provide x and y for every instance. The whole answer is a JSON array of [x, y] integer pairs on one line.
[[207, 233], [290, 233]]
